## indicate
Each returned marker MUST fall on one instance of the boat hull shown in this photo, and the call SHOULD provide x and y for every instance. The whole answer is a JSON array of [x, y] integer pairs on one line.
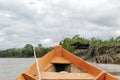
[[59, 64]]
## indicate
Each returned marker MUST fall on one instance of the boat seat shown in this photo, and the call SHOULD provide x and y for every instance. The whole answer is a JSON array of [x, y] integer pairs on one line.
[[61, 76], [60, 60], [66, 76]]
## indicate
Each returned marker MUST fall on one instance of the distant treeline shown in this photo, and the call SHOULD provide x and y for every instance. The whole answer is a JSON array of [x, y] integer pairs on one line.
[[27, 51]]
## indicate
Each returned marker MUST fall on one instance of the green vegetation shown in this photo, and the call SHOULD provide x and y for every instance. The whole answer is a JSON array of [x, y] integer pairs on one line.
[[66, 43], [27, 51]]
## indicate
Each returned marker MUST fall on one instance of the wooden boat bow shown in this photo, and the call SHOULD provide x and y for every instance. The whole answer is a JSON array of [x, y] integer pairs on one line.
[[59, 64]]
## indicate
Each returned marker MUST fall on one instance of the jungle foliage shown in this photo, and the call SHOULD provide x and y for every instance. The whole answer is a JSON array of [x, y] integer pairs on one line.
[[27, 50], [66, 43]]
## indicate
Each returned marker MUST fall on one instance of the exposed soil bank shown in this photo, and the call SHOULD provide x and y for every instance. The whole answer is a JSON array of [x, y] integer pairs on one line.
[[101, 54]]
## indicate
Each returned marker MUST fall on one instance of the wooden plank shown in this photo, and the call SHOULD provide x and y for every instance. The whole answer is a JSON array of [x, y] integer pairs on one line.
[[28, 77], [101, 76], [48, 66], [66, 76], [110, 77], [60, 60]]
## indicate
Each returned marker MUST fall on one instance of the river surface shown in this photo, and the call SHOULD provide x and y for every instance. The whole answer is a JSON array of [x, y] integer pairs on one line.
[[10, 68]]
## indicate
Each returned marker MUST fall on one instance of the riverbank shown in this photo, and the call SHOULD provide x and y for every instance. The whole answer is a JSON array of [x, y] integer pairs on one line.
[[97, 54], [101, 54]]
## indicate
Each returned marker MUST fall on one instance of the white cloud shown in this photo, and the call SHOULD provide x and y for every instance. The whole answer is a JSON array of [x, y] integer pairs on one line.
[[1, 36], [46, 41], [35, 5], [117, 33], [3, 14], [49, 21], [49, 41]]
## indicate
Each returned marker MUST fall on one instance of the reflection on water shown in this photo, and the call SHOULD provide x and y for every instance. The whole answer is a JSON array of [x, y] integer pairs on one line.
[[10, 68]]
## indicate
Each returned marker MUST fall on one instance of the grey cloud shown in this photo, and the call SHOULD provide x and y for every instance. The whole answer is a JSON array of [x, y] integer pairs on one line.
[[18, 10], [56, 20]]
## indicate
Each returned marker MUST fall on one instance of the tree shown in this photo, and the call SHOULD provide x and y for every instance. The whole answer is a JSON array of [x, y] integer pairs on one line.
[[28, 50], [39, 45]]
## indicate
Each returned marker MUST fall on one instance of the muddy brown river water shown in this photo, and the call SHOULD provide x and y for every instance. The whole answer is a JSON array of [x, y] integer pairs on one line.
[[10, 68]]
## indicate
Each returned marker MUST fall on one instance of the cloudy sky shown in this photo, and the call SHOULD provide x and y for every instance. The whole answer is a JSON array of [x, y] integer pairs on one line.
[[49, 21]]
